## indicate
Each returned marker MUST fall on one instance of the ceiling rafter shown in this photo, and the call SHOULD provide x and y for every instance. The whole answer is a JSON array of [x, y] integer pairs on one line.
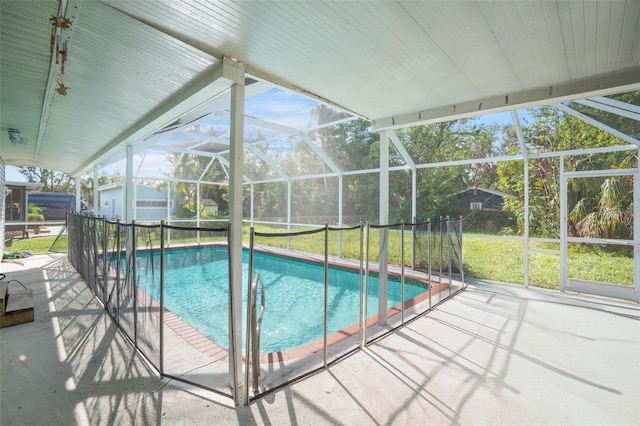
[[213, 83], [183, 151], [322, 154], [403, 151], [618, 104], [598, 124], [623, 81], [261, 155], [623, 112]]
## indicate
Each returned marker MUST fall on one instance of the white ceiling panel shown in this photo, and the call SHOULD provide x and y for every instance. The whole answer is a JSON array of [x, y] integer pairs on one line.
[[394, 62]]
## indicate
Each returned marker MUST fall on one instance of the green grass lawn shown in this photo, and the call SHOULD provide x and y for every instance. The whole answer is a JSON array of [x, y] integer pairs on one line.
[[503, 260], [38, 245], [484, 258]]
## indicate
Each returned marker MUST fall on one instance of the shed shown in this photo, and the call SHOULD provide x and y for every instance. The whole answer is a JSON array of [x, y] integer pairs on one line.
[[208, 205], [14, 208], [151, 203], [478, 198]]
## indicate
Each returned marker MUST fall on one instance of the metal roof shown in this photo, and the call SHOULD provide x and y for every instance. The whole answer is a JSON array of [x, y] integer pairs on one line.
[[133, 68]]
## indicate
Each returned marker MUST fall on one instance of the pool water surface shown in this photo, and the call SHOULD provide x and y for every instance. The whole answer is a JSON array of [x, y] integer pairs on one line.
[[196, 290]]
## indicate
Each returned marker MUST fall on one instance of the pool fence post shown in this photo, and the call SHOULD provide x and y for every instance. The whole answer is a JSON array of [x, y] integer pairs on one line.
[[414, 241], [366, 286], [105, 256], [233, 332], [429, 256], [383, 222], [460, 248], [247, 358], [449, 250], [402, 270], [118, 269], [326, 290], [440, 267], [360, 318], [383, 267], [161, 334], [96, 237], [133, 281]]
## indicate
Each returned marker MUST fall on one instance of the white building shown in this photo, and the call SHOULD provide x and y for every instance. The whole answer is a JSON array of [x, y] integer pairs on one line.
[[151, 203]]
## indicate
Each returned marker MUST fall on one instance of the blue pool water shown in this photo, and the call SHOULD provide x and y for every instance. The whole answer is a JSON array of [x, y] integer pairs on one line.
[[196, 284]]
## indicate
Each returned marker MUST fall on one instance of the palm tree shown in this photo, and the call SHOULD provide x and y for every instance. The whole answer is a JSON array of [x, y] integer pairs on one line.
[[608, 214]]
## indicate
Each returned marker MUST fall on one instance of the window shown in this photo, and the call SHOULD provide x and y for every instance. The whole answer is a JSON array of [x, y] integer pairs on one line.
[[475, 206], [153, 204]]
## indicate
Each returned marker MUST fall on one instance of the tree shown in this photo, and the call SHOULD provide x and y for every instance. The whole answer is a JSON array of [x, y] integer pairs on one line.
[[550, 131], [624, 124], [55, 181], [606, 214], [449, 141], [192, 168]]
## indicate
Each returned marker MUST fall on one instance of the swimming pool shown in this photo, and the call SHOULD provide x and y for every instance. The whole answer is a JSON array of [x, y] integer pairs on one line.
[[196, 283]]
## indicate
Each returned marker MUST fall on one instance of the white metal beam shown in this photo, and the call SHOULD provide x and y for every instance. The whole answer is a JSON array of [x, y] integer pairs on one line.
[[206, 168], [258, 73], [402, 150], [49, 93], [211, 84], [179, 150], [525, 154], [261, 155], [598, 124], [292, 132], [194, 181], [617, 104], [612, 148], [623, 81], [220, 103], [609, 108], [323, 155]]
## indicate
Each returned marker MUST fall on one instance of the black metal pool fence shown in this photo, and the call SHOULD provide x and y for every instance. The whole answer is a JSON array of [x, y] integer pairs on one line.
[[123, 265]]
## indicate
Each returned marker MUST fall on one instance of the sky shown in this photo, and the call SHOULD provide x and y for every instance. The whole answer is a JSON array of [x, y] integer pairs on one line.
[[12, 174]]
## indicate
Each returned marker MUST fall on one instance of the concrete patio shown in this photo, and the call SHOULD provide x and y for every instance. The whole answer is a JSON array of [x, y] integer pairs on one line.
[[494, 354]]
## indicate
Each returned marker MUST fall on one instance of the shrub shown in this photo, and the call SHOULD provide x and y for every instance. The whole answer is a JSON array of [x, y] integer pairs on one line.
[[35, 217]]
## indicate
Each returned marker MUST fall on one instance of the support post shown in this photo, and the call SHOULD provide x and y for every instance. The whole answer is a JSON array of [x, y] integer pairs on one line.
[[384, 220], [563, 227], [525, 157], [129, 196], [235, 217], [96, 192], [78, 182]]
